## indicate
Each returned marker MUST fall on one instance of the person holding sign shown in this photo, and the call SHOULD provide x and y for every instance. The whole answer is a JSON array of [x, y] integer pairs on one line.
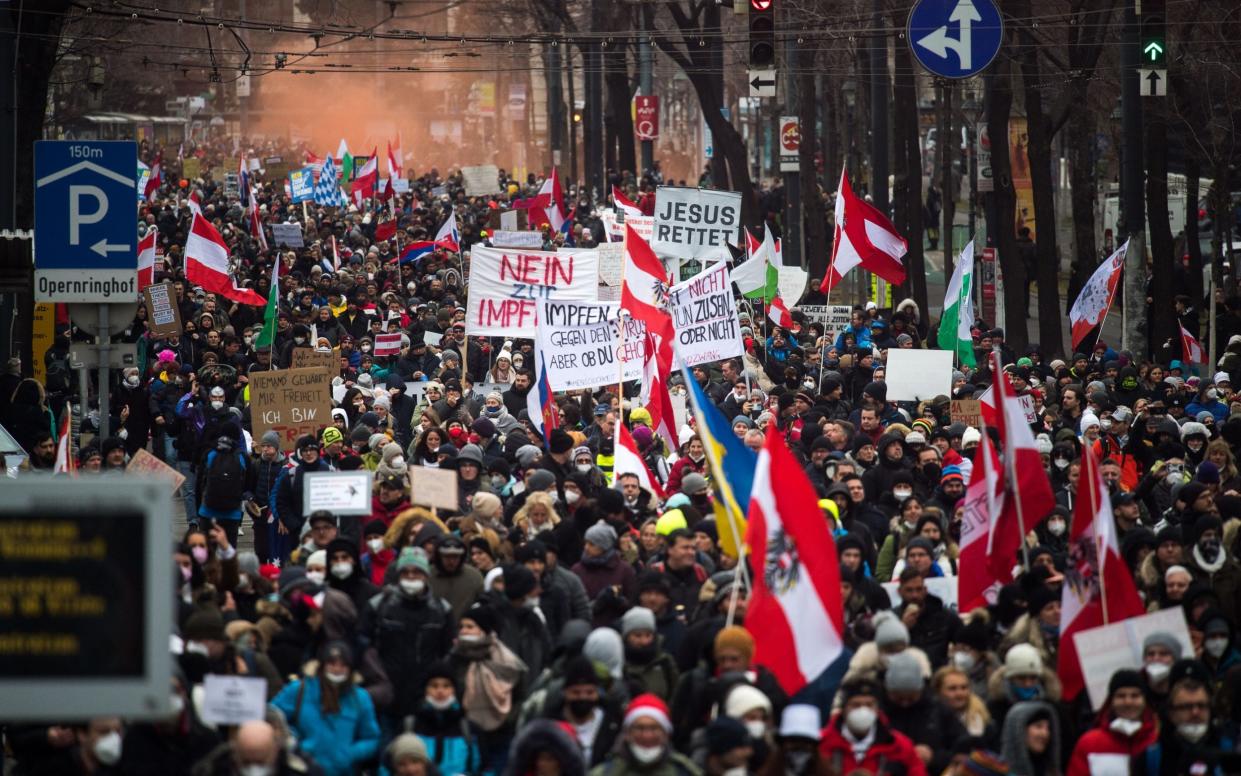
[[1126, 726]]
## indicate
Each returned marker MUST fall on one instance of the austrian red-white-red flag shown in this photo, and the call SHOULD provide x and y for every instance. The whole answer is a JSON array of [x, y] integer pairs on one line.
[[623, 203], [629, 461], [1191, 348], [1098, 588], [1092, 304], [644, 284], [206, 264], [795, 614], [656, 367], [779, 313], [195, 203], [367, 180], [1029, 490], [146, 259], [864, 237], [157, 177], [988, 546], [65, 462], [395, 170], [546, 206]]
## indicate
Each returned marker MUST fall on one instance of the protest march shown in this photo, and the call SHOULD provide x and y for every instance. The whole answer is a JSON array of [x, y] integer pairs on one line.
[[481, 475]]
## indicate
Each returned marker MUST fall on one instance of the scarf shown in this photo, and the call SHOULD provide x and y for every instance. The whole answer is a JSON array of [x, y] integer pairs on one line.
[[490, 678]]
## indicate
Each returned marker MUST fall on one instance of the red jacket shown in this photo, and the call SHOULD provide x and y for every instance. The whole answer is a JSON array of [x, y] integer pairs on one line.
[[682, 467], [891, 752], [387, 514], [1101, 739]]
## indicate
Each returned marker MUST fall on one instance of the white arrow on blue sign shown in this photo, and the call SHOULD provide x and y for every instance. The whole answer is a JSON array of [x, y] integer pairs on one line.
[[955, 38], [85, 224]]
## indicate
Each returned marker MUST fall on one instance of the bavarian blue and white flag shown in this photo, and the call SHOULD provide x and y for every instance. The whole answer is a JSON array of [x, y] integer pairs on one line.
[[327, 188]]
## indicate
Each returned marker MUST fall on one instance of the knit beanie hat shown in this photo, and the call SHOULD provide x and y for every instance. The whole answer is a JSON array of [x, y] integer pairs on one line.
[[407, 746], [1126, 677], [904, 674], [519, 581], [601, 535], [743, 699], [984, 763], [483, 616], [889, 630], [413, 557], [735, 637], [639, 618], [725, 734], [1165, 640]]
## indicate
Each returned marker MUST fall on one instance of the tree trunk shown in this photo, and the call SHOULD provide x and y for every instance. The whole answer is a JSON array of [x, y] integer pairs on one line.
[[1161, 314], [999, 105], [1193, 247], [907, 169], [1047, 270], [814, 228], [946, 147], [619, 97], [1082, 179]]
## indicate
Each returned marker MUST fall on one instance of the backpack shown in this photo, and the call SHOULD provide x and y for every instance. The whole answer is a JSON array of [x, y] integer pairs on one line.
[[225, 481], [59, 375]]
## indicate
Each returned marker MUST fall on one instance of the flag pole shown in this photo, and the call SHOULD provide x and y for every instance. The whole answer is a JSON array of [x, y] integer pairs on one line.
[[1096, 501], [1010, 465], [620, 353]]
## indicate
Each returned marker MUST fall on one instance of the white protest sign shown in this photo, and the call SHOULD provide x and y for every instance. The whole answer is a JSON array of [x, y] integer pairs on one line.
[[507, 284], [289, 235], [503, 238], [914, 375], [400, 185], [481, 181], [704, 317], [579, 342], [680, 412], [233, 700], [435, 488], [509, 222], [611, 263], [609, 293], [834, 317], [792, 283], [341, 493], [1027, 406], [1105, 650], [695, 223], [432, 339], [643, 226]]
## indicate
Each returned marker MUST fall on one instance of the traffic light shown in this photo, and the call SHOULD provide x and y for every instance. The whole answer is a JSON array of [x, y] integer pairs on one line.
[[762, 33], [1154, 42]]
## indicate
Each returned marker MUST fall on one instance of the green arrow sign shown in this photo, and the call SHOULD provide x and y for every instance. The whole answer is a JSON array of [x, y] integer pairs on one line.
[[1154, 50]]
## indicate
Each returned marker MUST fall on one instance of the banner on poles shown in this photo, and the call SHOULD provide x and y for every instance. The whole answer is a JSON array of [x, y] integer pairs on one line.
[[695, 223], [704, 317], [579, 342], [507, 284]]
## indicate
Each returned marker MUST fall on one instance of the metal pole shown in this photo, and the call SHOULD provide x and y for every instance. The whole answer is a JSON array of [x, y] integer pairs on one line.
[[879, 99], [1132, 184], [645, 81], [792, 243], [105, 345]]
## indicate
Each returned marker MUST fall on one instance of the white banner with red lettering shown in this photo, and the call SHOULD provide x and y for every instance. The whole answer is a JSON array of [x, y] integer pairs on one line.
[[506, 286]]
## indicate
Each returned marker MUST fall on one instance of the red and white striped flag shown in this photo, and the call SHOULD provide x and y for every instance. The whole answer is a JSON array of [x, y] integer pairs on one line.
[[206, 264], [796, 614], [655, 396], [623, 204], [1029, 490], [1191, 348], [395, 169], [156, 179], [387, 344], [779, 313], [195, 203], [65, 462], [864, 237], [988, 548], [629, 461], [1098, 588], [146, 259]]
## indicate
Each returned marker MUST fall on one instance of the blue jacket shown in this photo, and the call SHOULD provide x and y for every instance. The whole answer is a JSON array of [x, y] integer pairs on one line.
[[338, 742], [1215, 407]]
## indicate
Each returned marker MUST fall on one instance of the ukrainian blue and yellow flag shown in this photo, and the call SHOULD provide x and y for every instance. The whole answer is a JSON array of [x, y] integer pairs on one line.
[[732, 467]]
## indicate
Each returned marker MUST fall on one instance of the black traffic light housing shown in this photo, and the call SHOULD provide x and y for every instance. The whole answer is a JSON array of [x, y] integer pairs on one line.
[[762, 33], [1154, 42]]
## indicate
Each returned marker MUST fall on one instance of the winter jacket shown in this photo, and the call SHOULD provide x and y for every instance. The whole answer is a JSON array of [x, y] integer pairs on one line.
[[338, 742], [605, 572], [891, 753], [1101, 742], [1021, 761], [928, 721], [621, 763], [450, 744], [409, 633], [460, 588], [932, 630], [1224, 577], [286, 499]]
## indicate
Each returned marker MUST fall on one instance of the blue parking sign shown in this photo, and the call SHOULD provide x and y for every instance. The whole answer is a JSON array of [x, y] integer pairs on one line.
[[85, 221]]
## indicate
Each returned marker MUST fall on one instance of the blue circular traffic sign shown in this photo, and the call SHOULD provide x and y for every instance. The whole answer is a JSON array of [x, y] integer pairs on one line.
[[955, 38]]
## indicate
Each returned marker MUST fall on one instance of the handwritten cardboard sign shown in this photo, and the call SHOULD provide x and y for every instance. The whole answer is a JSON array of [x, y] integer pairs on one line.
[[436, 488], [163, 314], [967, 411], [145, 463], [308, 358], [291, 402]]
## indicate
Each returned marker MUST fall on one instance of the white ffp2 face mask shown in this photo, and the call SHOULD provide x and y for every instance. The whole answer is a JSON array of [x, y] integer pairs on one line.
[[107, 750], [860, 720]]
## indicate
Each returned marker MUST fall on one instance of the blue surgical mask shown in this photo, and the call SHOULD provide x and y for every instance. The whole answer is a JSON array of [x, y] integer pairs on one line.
[[1027, 693]]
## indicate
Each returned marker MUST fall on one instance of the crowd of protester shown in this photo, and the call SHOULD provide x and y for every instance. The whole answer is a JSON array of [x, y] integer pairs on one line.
[[565, 620]]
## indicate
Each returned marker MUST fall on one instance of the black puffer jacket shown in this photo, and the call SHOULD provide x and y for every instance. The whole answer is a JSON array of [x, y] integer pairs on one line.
[[410, 633]]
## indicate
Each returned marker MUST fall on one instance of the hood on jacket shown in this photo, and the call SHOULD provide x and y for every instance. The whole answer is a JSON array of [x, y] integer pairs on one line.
[[1013, 748], [545, 736]]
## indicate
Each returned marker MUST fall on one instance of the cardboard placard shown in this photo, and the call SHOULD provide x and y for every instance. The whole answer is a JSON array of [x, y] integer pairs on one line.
[[146, 463], [163, 314], [695, 223], [287, 235], [233, 700], [508, 220], [310, 358], [481, 181], [291, 402], [435, 488], [915, 375], [611, 263], [501, 238], [191, 167], [1104, 650], [341, 493], [967, 411]]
